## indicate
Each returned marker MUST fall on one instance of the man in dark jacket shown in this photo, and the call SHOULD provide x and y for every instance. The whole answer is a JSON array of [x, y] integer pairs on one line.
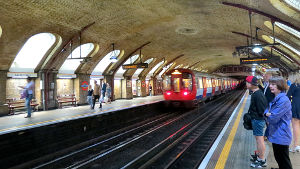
[[257, 107], [266, 89]]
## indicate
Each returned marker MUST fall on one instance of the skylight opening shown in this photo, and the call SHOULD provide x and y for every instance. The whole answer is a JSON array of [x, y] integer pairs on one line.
[[165, 69], [294, 3], [287, 45], [102, 65], [32, 52], [155, 68], [288, 29], [138, 71], [70, 65], [132, 59]]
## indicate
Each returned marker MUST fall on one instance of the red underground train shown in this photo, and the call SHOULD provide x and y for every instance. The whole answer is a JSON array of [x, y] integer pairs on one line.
[[184, 87]]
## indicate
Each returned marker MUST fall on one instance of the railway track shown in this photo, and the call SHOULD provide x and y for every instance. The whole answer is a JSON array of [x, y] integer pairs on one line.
[[150, 144]]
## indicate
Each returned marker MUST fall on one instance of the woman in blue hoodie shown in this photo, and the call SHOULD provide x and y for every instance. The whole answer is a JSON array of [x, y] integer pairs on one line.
[[279, 116]]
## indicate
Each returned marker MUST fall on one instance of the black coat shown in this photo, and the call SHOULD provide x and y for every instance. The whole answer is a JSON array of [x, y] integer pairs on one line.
[[269, 95], [294, 96]]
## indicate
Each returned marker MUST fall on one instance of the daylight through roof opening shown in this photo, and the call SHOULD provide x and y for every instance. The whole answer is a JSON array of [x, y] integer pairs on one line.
[[32, 52]]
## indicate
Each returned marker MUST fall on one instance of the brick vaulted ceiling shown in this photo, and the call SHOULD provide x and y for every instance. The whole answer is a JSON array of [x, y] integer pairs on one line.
[[199, 29]]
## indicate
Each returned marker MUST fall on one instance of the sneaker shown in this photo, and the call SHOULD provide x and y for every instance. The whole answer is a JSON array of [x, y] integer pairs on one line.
[[253, 157], [259, 164]]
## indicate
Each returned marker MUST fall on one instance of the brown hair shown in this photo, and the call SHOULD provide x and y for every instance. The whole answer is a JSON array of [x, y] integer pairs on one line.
[[280, 83]]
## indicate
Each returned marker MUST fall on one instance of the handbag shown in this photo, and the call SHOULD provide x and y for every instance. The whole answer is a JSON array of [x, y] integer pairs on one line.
[[247, 121], [24, 94]]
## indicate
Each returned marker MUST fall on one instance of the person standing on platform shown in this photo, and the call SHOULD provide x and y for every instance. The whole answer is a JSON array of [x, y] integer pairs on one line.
[[279, 116], [108, 93], [150, 90], [29, 89], [90, 96], [257, 107], [294, 96], [266, 89], [103, 91], [96, 94]]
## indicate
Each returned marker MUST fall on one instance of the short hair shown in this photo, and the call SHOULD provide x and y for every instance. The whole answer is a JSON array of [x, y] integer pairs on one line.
[[29, 78], [280, 83]]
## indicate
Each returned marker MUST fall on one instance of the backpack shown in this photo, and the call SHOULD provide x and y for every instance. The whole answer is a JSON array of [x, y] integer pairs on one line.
[[247, 121]]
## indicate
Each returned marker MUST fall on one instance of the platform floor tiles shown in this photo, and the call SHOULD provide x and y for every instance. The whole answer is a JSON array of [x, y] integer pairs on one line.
[[234, 148], [40, 118]]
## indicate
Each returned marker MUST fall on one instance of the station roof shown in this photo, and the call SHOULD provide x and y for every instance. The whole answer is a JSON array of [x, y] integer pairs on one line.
[[201, 31]]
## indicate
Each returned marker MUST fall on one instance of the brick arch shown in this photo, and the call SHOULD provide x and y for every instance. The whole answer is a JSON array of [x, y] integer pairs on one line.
[[0, 31], [286, 9], [145, 72]]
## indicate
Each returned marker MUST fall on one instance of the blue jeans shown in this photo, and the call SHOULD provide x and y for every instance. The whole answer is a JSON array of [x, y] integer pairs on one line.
[[90, 100], [27, 104]]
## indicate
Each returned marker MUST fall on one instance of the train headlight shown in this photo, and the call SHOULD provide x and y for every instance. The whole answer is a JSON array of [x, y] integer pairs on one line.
[[185, 93], [168, 93]]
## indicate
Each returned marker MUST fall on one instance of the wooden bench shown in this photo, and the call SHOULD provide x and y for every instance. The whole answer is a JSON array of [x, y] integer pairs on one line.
[[16, 104], [66, 99]]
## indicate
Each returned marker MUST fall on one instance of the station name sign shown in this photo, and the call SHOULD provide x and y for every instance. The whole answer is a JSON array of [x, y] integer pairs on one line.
[[135, 66], [256, 60]]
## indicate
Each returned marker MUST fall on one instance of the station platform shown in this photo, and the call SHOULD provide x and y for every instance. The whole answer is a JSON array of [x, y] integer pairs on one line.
[[17, 122], [234, 145]]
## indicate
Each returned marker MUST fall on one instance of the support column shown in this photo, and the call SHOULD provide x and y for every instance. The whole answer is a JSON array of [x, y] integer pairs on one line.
[[127, 88], [143, 87], [153, 84], [81, 88], [3, 78], [49, 89]]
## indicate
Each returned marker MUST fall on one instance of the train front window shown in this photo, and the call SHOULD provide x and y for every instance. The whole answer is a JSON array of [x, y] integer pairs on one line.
[[187, 81], [167, 83], [176, 84]]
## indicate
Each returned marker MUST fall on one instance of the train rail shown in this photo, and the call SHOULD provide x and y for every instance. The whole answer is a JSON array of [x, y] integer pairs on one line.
[[148, 143]]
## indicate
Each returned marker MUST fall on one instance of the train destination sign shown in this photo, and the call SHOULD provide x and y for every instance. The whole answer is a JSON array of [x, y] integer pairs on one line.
[[135, 66], [256, 60]]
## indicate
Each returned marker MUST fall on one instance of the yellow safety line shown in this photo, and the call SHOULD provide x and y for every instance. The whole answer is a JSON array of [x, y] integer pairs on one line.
[[226, 150], [59, 119]]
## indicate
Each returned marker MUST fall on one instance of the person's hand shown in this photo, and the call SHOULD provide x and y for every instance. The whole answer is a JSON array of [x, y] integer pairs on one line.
[[268, 114]]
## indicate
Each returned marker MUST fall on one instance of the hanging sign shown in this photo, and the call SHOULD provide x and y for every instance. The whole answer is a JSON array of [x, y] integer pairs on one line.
[[257, 60], [84, 85], [135, 66]]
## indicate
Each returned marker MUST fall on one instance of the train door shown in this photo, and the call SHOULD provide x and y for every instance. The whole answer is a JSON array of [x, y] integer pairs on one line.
[[213, 86], [204, 87], [209, 87], [200, 93]]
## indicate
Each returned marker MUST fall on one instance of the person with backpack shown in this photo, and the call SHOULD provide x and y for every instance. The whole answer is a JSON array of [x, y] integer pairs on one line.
[[256, 110]]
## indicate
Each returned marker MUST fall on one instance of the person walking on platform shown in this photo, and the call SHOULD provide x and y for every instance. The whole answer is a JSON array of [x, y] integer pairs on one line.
[[278, 117], [108, 93], [90, 96], [96, 93], [29, 89], [266, 89], [257, 107], [294, 96]]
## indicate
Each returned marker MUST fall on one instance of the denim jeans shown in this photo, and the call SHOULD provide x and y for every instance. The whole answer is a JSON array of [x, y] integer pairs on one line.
[[90, 100], [27, 104]]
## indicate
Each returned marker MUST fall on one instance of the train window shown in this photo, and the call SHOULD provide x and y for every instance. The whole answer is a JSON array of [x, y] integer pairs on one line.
[[176, 84], [208, 82], [187, 81], [167, 83], [200, 83], [197, 83], [213, 82]]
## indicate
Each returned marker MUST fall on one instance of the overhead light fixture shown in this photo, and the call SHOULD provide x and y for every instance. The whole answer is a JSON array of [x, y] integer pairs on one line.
[[113, 55], [257, 48]]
